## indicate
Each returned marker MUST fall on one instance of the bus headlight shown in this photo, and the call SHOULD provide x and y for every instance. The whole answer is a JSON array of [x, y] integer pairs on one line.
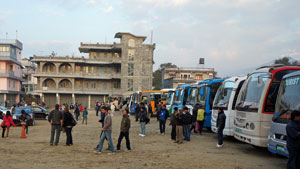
[[252, 126]]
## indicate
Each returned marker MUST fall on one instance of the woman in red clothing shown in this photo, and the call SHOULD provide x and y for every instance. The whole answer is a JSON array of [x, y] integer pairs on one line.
[[7, 122]]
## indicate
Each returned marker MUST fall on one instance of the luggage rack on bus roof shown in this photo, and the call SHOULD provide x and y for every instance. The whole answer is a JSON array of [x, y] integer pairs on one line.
[[271, 66]]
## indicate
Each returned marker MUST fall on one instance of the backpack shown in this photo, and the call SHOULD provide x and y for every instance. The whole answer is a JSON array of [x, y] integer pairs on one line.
[[163, 114], [200, 115]]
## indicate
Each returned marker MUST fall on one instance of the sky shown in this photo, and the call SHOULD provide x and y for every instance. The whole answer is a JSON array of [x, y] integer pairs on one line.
[[230, 34]]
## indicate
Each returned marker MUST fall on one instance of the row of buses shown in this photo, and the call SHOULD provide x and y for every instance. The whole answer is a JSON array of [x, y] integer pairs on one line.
[[257, 106]]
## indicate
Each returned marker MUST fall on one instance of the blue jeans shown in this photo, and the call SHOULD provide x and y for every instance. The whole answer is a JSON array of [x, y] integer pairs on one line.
[[143, 128], [106, 134], [187, 132], [220, 137]]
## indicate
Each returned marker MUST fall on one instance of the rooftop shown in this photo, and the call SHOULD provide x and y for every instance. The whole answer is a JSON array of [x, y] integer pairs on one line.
[[120, 34], [12, 42], [189, 69]]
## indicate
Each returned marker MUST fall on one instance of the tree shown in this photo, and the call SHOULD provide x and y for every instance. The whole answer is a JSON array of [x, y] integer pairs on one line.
[[286, 61], [157, 75]]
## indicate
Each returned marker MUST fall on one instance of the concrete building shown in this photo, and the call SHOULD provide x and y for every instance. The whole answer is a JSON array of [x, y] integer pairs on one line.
[[10, 71], [173, 77], [29, 80], [111, 69]]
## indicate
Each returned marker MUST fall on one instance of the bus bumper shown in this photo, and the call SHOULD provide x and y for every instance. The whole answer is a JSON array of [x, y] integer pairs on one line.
[[276, 146]]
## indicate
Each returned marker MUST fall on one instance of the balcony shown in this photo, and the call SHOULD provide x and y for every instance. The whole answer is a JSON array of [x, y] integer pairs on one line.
[[83, 75], [78, 90], [10, 74], [67, 59]]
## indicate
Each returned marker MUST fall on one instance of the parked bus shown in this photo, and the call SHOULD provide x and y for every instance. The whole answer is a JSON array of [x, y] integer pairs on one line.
[[256, 104], [152, 97], [226, 99], [170, 99], [180, 97], [207, 92], [288, 99], [192, 97]]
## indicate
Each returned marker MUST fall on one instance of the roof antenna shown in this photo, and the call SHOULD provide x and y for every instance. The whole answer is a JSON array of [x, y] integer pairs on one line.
[[16, 34]]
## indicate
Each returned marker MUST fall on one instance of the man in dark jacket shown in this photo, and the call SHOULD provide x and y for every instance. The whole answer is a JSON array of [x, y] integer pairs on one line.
[[173, 124], [179, 128], [55, 119], [221, 120], [143, 117], [194, 117], [137, 112], [293, 140], [187, 121], [163, 115], [125, 126]]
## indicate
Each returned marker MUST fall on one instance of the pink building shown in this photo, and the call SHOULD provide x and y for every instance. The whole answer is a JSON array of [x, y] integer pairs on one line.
[[10, 71]]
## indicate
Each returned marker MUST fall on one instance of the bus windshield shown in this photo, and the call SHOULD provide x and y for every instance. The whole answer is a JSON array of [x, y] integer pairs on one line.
[[251, 92], [192, 96], [170, 97], [223, 95], [201, 96], [288, 99], [178, 96]]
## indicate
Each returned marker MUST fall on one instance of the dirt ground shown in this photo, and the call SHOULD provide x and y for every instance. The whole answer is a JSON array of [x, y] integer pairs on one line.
[[152, 151]]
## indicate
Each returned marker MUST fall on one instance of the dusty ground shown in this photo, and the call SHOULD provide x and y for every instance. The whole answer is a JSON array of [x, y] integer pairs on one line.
[[152, 151]]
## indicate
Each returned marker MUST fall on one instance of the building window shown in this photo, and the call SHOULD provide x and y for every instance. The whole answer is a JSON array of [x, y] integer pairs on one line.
[[117, 69], [4, 48], [130, 69], [117, 85], [14, 84], [11, 67], [131, 53], [199, 77], [130, 85], [93, 85], [9, 83], [131, 43], [101, 69]]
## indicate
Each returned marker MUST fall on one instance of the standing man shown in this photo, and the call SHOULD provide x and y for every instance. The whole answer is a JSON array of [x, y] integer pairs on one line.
[[173, 123], [55, 119], [125, 126], [107, 130], [221, 120], [159, 107], [163, 115], [187, 121], [137, 112], [143, 116], [179, 126], [84, 116], [293, 140], [76, 111], [194, 117], [97, 108], [150, 112]]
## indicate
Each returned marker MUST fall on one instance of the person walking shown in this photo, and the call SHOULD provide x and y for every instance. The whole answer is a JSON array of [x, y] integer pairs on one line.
[[84, 116], [159, 107], [124, 131], [137, 112], [187, 121], [163, 116], [6, 123], [68, 126], [150, 111], [293, 140], [143, 117], [55, 119], [179, 127], [221, 120], [194, 117], [24, 117], [107, 131], [201, 118], [97, 108], [173, 124], [76, 111]]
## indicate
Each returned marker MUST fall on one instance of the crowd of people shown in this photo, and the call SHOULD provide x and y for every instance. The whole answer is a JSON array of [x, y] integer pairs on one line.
[[182, 123]]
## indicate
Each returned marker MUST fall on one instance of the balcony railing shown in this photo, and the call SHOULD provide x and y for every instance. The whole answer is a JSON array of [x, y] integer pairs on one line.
[[80, 75], [79, 89]]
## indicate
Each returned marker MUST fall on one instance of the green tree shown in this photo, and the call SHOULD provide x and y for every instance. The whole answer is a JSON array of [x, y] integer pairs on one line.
[[286, 61], [157, 75]]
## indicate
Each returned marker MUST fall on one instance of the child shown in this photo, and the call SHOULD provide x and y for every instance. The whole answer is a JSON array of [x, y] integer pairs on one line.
[[84, 116]]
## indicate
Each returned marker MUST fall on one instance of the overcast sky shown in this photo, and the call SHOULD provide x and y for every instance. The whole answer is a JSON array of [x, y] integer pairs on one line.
[[230, 34]]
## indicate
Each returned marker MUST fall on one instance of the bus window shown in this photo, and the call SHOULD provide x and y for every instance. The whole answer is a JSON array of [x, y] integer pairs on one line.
[[202, 95], [288, 99]]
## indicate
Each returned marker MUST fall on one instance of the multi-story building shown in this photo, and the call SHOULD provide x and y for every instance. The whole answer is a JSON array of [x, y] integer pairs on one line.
[[10, 71], [28, 71], [173, 77], [111, 69]]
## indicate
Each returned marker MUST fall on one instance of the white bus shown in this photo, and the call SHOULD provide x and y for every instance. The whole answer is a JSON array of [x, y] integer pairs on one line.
[[226, 99], [256, 104]]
